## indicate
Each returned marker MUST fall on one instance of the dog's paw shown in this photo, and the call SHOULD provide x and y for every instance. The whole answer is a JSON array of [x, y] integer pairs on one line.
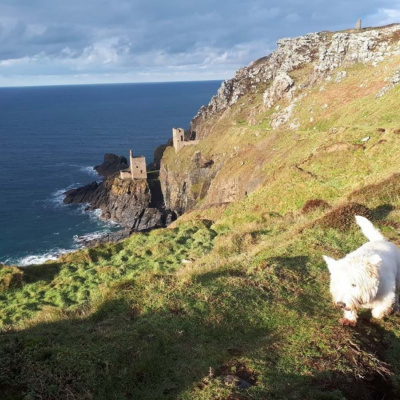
[[347, 322]]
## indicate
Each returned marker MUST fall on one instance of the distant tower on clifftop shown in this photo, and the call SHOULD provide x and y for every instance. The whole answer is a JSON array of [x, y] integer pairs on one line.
[[178, 138], [137, 168], [358, 25]]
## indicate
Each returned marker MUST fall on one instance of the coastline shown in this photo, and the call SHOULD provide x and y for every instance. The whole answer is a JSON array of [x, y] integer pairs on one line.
[[53, 142]]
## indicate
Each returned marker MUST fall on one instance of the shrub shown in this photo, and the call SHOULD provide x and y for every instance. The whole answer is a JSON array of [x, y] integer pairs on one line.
[[10, 277], [314, 204], [342, 217]]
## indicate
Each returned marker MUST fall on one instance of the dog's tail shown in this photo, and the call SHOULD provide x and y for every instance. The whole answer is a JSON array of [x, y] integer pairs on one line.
[[369, 231]]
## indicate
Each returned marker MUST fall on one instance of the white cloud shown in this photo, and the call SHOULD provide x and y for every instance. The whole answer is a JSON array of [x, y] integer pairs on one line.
[[127, 40], [384, 16], [97, 54]]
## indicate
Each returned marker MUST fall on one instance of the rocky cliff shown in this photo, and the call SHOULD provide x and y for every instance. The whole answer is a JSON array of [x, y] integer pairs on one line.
[[136, 205], [275, 93], [322, 52], [111, 164]]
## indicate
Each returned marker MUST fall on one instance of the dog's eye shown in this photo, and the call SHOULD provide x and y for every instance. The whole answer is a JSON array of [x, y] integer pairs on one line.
[[353, 284]]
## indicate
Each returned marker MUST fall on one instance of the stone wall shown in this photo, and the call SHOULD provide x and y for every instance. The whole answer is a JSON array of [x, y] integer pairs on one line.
[[179, 141], [138, 167], [125, 174]]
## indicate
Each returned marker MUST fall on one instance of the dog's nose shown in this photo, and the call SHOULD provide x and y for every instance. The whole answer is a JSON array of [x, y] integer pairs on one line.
[[340, 304]]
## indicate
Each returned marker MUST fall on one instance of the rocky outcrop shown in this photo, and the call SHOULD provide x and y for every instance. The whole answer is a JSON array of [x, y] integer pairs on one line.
[[121, 201], [84, 194], [136, 205], [281, 86], [324, 51], [124, 201], [111, 164]]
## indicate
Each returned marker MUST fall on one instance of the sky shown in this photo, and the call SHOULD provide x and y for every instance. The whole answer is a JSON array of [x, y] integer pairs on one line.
[[57, 42]]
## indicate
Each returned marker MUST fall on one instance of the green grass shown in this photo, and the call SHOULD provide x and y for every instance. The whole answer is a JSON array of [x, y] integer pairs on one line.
[[130, 321]]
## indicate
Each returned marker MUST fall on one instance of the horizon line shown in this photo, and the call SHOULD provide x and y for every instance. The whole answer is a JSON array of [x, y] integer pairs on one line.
[[109, 83]]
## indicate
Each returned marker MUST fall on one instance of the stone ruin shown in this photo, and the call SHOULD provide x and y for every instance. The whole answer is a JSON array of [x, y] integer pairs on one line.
[[137, 168], [358, 25], [179, 140]]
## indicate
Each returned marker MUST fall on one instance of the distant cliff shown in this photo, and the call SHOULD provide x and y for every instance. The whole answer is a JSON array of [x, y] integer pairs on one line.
[[322, 53], [271, 95]]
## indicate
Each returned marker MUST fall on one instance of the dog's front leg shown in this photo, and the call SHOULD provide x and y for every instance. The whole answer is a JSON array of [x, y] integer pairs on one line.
[[385, 306], [349, 318]]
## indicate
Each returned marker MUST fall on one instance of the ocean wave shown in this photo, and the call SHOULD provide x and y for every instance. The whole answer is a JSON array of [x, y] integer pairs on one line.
[[82, 239], [34, 259], [57, 197], [95, 215], [86, 169], [89, 171]]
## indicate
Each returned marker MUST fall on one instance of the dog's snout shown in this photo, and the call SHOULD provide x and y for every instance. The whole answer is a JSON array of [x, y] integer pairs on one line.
[[340, 304]]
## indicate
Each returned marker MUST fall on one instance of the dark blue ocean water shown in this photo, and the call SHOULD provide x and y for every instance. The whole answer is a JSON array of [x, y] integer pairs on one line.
[[51, 137]]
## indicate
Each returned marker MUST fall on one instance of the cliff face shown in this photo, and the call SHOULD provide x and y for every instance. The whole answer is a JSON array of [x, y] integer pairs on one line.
[[271, 94], [185, 183], [125, 202], [323, 52], [111, 165]]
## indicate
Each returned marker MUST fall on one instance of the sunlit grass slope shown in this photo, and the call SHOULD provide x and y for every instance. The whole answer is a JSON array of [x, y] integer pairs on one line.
[[232, 301]]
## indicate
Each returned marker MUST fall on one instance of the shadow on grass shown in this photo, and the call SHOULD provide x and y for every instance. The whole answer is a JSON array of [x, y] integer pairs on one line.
[[302, 286], [124, 352], [120, 352], [44, 272], [369, 378], [382, 211]]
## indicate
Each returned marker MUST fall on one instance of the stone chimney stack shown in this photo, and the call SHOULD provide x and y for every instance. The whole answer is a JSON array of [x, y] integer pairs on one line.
[[358, 25], [131, 163]]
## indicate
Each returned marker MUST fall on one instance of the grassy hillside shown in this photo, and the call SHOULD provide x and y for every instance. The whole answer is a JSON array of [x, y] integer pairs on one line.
[[232, 301]]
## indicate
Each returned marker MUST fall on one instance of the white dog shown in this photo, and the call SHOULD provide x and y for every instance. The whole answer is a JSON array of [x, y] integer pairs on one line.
[[369, 277]]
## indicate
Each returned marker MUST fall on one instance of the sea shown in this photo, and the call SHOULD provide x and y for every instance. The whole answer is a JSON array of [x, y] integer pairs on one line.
[[52, 137]]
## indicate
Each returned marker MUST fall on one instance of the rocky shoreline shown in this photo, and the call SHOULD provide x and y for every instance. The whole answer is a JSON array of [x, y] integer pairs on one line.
[[135, 205]]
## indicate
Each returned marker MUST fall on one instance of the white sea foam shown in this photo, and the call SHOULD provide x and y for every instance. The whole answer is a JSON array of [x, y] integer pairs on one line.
[[95, 215], [89, 171], [83, 168], [80, 240], [57, 198], [33, 259]]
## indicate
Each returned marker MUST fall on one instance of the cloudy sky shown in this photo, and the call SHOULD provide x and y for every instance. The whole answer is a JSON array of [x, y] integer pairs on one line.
[[45, 42]]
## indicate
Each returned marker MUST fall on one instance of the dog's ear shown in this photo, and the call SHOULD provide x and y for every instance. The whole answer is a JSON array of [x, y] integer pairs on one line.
[[330, 262]]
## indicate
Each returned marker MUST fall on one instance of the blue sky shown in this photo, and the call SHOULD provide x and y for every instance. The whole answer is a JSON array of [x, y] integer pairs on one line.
[[46, 42]]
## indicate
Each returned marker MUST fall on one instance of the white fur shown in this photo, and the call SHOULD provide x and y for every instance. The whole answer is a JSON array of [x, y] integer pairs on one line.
[[369, 277]]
